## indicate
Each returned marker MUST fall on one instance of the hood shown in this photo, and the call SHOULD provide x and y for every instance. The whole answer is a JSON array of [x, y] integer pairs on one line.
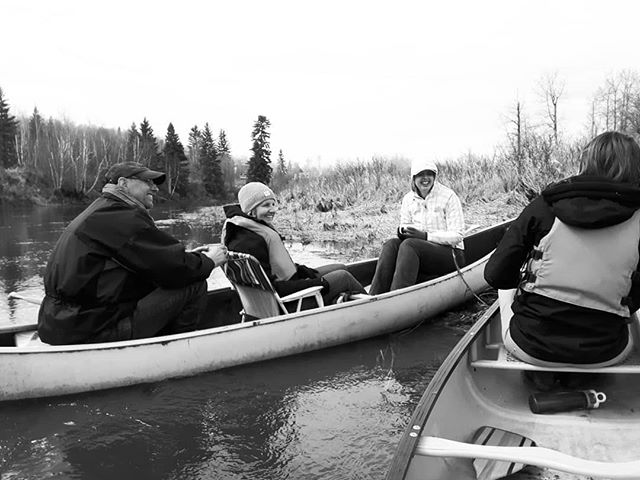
[[592, 202], [419, 165], [232, 209]]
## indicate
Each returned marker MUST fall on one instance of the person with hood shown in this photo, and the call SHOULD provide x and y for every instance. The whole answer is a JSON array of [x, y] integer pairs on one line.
[[249, 229], [429, 235], [572, 255], [113, 275]]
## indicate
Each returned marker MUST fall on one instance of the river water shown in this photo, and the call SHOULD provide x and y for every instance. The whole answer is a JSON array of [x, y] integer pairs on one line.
[[332, 414]]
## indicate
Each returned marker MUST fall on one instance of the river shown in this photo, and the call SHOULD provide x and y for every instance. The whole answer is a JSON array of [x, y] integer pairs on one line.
[[332, 414]]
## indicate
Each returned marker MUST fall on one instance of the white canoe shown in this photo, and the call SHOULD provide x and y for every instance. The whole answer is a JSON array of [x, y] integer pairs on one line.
[[475, 421], [38, 371]]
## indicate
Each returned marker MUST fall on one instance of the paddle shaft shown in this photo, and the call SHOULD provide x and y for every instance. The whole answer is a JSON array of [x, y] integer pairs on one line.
[[539, 456]]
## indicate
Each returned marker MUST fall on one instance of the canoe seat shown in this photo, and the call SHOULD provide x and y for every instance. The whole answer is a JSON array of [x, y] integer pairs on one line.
[[502, 359], [257, 294]]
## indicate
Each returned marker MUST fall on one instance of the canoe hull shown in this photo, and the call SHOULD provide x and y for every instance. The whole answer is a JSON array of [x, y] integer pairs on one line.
[[462, 398], [28, 372]]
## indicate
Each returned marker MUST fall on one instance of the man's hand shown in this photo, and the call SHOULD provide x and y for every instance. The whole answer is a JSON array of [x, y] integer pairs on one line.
[[412, 232], [218, 253]]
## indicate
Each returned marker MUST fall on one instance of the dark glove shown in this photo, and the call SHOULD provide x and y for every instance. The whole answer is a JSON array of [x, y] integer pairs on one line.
[[306, 272]]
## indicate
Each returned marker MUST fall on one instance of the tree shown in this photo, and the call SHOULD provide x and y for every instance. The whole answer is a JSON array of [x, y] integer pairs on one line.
[[259, 165], [227, 164], [132, 153], [211, 171], [176, 164], [8, 134], [193, 153], [148, 145], [551, 89], [281, 175]]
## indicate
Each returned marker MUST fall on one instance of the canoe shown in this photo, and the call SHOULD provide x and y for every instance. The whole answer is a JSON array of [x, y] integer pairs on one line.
[[476, 418], [29, 371]]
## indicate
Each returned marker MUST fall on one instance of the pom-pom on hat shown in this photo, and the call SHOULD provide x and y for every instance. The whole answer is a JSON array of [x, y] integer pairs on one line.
[[418, 166], [253, 194]]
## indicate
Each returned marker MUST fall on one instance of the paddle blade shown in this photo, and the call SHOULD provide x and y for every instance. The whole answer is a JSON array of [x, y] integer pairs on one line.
[[494, 469]]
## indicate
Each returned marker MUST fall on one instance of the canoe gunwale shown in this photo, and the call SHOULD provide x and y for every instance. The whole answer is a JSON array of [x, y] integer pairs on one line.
[[254, 323]]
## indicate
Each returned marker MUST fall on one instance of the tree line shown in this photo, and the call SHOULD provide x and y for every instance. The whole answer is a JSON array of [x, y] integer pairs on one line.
[[58, 158]]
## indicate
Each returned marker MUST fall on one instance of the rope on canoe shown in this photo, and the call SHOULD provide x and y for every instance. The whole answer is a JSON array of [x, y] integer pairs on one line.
[[455, 262]]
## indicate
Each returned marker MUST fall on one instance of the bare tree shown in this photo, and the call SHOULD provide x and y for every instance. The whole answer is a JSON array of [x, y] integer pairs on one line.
[[551, 89]]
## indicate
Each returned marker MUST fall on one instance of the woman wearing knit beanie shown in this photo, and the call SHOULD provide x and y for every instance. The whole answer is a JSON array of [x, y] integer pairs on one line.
[[249, 229]]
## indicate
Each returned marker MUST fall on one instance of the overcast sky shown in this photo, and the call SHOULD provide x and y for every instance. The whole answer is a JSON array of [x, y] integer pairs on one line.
[[337, 79]]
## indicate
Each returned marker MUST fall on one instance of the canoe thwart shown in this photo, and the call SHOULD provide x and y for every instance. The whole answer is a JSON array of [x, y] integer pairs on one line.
[[528, 455]]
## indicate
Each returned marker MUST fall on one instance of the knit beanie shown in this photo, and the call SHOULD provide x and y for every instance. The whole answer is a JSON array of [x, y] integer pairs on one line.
[[253, 194], [418, 166]]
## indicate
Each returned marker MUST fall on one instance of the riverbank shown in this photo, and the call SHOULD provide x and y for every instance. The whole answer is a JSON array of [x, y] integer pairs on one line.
[[357, 232]]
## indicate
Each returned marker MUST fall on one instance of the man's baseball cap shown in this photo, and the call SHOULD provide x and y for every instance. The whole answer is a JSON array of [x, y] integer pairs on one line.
[[133, 170]]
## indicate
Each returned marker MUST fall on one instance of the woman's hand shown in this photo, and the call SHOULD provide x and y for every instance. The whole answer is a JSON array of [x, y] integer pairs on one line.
[[412, 232]]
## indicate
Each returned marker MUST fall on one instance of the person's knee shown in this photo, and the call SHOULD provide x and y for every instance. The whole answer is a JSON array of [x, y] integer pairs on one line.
[[412, 244]]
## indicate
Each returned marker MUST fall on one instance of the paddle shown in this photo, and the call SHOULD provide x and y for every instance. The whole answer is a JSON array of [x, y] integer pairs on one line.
[[495, 460], [17, 296], [492, 469], [7, 331]]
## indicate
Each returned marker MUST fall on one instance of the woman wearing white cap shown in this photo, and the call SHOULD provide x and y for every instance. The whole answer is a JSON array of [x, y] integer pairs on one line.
[[249, 229], [431, 226]]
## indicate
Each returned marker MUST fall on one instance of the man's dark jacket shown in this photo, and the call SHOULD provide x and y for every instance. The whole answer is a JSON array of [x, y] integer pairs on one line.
[[109, 257]]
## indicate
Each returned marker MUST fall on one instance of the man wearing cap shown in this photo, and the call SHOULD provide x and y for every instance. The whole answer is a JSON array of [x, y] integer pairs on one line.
[[113, 275]]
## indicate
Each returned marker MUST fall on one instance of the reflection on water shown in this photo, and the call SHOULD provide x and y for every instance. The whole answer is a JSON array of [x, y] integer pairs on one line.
[[332, 414]]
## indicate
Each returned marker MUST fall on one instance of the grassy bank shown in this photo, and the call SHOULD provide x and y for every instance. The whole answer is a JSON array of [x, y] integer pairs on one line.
[[352, 208]]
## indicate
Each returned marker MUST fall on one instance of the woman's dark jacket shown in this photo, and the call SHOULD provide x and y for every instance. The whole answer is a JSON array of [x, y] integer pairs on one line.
[[108, 258], [238, 239], [543, 327]]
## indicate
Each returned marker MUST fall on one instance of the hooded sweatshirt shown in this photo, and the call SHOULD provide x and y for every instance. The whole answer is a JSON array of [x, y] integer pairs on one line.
[[579, 242], [439, 213]]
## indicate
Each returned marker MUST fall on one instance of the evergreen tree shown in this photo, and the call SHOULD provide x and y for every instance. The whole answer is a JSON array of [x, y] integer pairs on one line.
[[132, 153], [259, 165], [148, 145], [223, 143], [211, 171], [226, 162], [282, 167], [193, 153], [176, 164], [8, 132]]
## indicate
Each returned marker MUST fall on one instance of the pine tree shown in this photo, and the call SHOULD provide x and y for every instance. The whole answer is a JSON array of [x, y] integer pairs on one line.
[[282, 167], [148, 145], [8, 132], [132, 153], [280, 176], [176, 164], [226, 162], [211, 171], [259, 165], [193, 152]]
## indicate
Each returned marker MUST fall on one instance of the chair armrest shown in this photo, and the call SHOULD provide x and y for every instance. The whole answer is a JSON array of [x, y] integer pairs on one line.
[[307, 292]]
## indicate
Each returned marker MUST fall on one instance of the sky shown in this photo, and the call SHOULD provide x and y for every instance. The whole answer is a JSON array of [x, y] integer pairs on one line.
[[339, 80]]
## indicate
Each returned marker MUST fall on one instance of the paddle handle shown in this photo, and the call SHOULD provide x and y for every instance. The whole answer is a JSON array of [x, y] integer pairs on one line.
[[17, 296]]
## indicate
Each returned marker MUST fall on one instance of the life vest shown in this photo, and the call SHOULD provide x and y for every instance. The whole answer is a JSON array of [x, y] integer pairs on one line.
[[282, 266], [592, 268]]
